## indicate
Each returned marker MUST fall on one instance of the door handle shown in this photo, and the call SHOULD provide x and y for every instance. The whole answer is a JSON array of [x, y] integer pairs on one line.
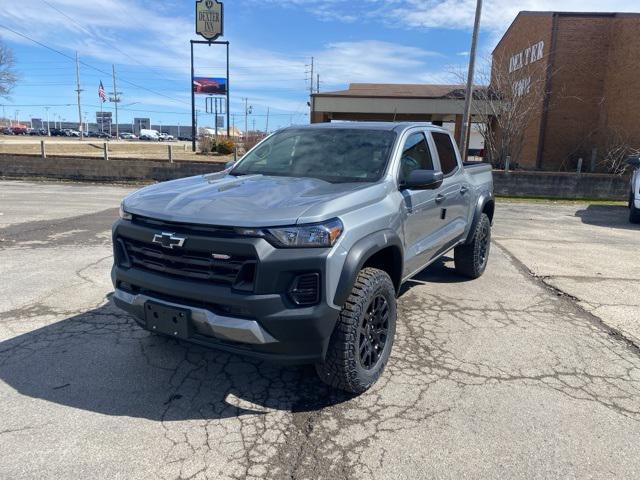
[[440, 198], [464, 189]]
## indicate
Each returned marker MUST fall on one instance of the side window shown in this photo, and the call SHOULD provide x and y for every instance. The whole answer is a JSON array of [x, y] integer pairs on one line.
[[446, 152], [415, 155]]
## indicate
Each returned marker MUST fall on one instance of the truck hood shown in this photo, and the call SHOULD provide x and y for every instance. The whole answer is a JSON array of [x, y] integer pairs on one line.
[[245, 201]]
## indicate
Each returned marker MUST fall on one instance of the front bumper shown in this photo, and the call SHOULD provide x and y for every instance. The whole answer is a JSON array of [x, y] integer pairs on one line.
[[263, 323]]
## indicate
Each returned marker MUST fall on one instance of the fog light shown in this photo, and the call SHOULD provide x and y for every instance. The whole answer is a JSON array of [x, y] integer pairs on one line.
[[305, 289]]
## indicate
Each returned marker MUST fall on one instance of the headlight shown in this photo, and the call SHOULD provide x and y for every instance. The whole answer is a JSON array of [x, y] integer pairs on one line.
[[317, 235], [123, 214]]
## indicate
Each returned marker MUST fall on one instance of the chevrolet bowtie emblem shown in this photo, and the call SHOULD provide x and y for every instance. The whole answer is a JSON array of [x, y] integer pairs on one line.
[[168, 240]]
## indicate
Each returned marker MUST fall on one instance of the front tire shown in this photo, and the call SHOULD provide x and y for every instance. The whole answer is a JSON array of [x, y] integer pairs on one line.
[[361, 342], [471, 259]]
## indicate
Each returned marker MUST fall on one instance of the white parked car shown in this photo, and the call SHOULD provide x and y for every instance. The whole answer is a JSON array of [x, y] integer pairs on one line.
[[165, 137], [634, 194], [148, 134]]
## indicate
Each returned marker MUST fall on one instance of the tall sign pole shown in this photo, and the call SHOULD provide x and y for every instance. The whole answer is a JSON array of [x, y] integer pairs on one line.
[[464, 136], [193, 106], [210, 26], [228, 129]]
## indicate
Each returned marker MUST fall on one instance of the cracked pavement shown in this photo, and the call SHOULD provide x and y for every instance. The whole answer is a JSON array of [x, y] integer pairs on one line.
[[532, 371]]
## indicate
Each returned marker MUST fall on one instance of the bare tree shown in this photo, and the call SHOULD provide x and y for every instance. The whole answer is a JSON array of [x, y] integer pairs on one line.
[[8, 76], [616, 146], [505, 103]]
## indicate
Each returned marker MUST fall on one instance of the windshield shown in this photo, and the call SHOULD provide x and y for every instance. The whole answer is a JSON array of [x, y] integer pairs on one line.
[[331, 154]]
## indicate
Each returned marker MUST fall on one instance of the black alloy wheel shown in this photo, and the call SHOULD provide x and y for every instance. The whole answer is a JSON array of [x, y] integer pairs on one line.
[[373, 332]]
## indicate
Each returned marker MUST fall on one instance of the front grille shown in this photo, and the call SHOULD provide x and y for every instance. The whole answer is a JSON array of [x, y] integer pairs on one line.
[[237, 271]]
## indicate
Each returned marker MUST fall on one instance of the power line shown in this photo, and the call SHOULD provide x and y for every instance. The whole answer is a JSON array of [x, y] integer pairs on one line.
[[111, 45], [88, 65]]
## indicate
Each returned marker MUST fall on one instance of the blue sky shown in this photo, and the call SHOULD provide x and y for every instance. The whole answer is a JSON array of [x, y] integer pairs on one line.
[[395, 41]]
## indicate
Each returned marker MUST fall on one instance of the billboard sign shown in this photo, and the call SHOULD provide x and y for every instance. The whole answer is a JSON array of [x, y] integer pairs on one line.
[[209, 86], [103, 119], [209, 19]]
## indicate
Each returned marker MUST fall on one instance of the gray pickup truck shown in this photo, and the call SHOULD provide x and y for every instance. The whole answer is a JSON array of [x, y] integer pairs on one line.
[[297, 252]]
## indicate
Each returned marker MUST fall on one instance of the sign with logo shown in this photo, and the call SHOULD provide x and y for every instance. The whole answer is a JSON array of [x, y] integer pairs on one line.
[[209, 22]]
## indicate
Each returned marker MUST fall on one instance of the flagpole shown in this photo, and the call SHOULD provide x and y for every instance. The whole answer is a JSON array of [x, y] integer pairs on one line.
[[101, 117]]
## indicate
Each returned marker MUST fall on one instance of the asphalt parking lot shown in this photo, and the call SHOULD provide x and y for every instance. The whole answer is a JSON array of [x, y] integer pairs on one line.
[[532, 371]]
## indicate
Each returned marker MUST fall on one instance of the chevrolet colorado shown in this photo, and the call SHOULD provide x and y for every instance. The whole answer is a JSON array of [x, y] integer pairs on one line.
[[297, 251]]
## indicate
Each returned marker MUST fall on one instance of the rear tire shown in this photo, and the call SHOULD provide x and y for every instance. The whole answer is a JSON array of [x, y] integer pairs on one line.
[[471, 259], [361, 342]]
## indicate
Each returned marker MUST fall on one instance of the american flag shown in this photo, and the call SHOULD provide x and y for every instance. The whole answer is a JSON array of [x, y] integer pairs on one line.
[[101, 92]]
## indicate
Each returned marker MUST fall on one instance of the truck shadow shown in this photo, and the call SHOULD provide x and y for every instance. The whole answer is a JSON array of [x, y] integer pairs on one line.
[[441, 271], [101, 361], [612, 216]]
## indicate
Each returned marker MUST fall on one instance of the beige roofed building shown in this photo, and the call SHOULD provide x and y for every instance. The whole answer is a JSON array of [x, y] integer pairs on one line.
[[389, 102]]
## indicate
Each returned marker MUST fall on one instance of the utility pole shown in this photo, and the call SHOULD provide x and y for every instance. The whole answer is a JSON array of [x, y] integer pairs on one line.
[[246, 113], [311, 79], [248, 109], [464, 134], [48, 129], [266, 128], [318, 83], [78, 89], [115, 98]]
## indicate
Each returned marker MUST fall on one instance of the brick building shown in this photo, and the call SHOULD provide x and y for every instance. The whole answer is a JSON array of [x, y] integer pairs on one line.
[[581, 73]]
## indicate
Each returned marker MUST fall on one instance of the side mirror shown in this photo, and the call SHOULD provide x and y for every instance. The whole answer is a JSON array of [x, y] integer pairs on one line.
[[229, 164], [423, 180], [634, 161]]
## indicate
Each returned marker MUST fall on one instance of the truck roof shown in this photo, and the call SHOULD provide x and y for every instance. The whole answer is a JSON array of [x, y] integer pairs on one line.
[[397, 126]]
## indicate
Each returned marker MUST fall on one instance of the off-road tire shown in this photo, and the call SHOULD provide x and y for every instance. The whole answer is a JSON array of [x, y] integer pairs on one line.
[[343, 367], [471, 259]]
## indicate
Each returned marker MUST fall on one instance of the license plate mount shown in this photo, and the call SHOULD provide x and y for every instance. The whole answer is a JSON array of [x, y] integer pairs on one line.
[[168, 320]]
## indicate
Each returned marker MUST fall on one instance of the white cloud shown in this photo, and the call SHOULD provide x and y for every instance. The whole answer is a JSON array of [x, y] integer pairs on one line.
[[159, 43], [157, 38], [496, 14], [451, 14]]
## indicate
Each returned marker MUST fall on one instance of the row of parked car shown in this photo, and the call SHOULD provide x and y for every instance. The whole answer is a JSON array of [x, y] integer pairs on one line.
[[55, 132], [23, 131], [149, 135]]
